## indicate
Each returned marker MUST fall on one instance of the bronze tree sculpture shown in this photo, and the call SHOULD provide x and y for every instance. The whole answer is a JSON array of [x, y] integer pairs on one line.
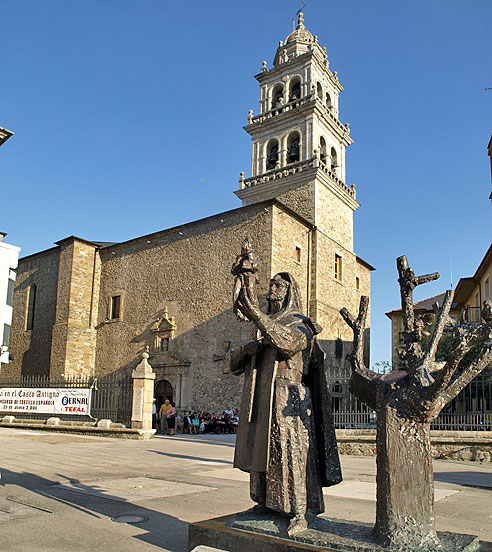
[[406, 401]]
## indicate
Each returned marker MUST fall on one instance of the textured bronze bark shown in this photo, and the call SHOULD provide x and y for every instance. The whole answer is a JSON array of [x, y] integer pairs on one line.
[[286, 438], [406, 401]]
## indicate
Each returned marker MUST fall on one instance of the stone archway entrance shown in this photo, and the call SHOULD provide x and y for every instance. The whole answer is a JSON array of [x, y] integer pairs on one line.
[[163, 390]]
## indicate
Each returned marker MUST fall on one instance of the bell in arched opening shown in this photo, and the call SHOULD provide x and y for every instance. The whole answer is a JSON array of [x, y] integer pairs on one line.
[[322, 149], [293, 151], [272, 155], [295, 91], [334, 159], [277, 96]]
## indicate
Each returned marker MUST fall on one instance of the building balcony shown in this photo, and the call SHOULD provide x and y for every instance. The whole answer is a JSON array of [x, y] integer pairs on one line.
[[294, 168], [472, 314]]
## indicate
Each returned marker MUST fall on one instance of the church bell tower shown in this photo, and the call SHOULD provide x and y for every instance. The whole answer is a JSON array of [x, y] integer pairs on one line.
[[298, 141]]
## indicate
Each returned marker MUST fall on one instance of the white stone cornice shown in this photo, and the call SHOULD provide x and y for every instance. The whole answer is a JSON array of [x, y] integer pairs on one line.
[[274, 183]]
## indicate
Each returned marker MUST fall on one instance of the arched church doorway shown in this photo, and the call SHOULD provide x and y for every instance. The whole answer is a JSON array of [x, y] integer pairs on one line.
[[163, 390]]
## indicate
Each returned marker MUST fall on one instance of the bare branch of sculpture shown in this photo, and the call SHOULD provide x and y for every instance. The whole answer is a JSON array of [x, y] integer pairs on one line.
[[411, 335], [465, 337], [358, 326], [442, 320]]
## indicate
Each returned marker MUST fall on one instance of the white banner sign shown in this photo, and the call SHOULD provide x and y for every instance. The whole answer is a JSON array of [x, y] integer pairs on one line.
[[45, 400]]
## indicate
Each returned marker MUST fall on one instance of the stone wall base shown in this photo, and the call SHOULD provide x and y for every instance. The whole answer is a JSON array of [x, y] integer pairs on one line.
[[446, 445]]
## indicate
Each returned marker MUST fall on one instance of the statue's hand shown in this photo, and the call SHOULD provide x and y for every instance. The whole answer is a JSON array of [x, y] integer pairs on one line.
[[248, 304]]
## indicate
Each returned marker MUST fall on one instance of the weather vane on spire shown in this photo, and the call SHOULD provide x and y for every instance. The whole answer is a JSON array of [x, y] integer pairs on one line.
[[299, 11]]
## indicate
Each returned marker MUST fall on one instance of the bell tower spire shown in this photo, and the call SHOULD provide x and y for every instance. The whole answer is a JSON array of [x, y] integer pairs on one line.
[[298, 141]]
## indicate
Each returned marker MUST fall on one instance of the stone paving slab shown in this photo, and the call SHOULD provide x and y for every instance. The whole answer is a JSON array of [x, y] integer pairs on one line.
[[37, 467], [134, 488]]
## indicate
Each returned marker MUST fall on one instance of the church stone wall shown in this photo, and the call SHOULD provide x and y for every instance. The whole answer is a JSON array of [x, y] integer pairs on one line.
[[30, 349], [187, 270], [74, 334], [288, 234], [333, 294], [334, 217]]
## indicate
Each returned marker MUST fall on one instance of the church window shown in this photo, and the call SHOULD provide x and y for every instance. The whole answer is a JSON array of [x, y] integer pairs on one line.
[[322, 149], [115, 311], [486, 289], [319, 91], [298, 254], [277, 95], [334, 159], [164, 344], [293, 148], [272, 155], [338, 267], [6, 335], [31, 304], [10, 289], [328, 100], [338, 350], [357, 283], [295, 90]]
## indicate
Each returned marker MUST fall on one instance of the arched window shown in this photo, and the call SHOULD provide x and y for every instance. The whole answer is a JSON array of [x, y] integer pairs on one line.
[[277, 95], [334, 159], [293, 148], [319, 91], [272, 155], [295, 90], [322, 149], [328, 100]]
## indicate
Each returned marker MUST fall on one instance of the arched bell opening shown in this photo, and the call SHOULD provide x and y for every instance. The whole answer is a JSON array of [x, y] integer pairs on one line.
[[334, 159], [328, 100], [295, 90], [294, 148], [277, 95], [322, 149], [272, 155], [319, 90]]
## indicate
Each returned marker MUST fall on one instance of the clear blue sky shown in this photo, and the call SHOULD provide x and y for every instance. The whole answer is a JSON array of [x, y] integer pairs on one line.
[[127, 118]]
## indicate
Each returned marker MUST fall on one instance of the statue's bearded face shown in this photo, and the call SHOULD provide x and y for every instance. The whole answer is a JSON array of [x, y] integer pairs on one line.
[[278, 290]]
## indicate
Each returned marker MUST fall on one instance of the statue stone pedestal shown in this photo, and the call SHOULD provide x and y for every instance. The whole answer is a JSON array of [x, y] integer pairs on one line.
[[262, 532]]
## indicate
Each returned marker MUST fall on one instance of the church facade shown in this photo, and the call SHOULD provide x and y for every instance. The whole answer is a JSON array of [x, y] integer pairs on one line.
[[87, 308]]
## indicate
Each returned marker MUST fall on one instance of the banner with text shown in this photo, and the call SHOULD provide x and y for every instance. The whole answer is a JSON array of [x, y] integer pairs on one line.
[[45, 400]]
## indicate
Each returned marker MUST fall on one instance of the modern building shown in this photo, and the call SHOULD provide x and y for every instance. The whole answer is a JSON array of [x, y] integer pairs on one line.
[[9, 255], [91, 308], [421, 308]]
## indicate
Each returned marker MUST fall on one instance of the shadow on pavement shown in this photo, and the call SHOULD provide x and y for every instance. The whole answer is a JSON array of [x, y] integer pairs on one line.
[[226, 440], [475, 479], [162, 530], [200, 459]]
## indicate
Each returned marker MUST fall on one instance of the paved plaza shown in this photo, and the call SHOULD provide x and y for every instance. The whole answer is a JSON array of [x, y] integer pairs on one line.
[[64, 492]]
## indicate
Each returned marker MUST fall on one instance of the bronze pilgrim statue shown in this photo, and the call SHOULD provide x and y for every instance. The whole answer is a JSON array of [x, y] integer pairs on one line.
[[285, 438]]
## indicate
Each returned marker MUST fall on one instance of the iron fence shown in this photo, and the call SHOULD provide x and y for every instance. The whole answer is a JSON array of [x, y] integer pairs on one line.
[[111, 395], [471, 410]]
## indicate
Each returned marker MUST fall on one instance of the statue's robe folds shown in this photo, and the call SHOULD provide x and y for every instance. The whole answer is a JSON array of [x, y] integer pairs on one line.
[[286, 438]]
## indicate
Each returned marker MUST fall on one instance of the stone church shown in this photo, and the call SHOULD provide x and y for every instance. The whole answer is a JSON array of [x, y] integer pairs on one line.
[[91, 308]]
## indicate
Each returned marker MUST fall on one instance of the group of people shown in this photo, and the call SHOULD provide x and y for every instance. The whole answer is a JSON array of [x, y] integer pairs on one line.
[[206, 422], [166, 420]]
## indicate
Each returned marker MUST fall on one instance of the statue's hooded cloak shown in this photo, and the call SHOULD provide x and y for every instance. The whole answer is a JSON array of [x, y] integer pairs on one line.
[[276, 407]]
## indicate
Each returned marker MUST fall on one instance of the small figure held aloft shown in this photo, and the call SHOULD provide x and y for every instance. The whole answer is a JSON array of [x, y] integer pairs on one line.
[[244, 270]]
